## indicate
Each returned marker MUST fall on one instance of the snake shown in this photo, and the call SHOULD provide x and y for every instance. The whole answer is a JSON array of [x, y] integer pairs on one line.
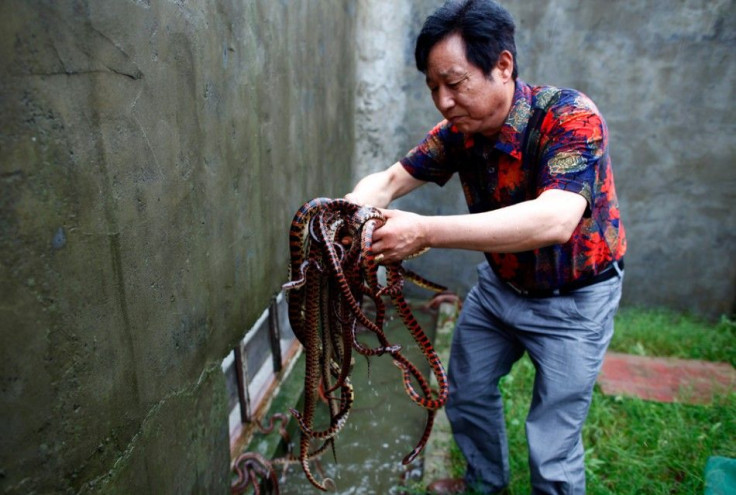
[[250, 467], [332, 269]]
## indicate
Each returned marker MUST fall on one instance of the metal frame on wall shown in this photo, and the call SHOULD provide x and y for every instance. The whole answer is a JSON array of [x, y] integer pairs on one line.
[[255, 366]]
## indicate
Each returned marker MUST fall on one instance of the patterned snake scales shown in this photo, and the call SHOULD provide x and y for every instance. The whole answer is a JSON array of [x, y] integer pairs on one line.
[[332, 268]]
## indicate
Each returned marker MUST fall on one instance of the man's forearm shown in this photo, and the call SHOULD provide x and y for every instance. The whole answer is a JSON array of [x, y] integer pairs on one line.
[[372, 190], [381, 188], [550, 219]]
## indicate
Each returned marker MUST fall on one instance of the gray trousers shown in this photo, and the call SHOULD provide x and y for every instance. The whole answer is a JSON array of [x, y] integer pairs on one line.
[[566, 337]]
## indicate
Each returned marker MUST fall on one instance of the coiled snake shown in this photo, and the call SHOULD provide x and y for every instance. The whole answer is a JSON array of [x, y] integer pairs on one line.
[[332, 269]]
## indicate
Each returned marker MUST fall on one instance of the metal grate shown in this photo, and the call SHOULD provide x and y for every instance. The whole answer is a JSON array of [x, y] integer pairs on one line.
[[252, 367]]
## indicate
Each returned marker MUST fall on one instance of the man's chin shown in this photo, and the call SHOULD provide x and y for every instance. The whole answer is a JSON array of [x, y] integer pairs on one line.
[[463, 126], [468, 129]]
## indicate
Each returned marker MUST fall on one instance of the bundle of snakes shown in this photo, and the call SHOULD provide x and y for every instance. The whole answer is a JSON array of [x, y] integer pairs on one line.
[[332, 270]]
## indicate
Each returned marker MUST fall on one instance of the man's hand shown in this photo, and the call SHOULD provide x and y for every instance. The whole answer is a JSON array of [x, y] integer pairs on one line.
[[401, 236]]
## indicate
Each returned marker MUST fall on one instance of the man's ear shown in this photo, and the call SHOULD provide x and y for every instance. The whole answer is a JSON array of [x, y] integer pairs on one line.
[[505, 65]]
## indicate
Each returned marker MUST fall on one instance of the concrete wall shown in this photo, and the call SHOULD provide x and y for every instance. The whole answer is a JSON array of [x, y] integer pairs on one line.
[[393, 111], [663, 75], [152, 155]]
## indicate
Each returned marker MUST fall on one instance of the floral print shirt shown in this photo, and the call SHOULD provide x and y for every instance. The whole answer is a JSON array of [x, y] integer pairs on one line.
[[573, 155]]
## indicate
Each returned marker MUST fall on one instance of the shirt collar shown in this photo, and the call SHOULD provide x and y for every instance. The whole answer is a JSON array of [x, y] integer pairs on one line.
[[510, 137]]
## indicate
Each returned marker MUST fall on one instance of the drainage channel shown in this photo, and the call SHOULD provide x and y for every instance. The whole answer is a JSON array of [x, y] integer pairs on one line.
[[384, 424]]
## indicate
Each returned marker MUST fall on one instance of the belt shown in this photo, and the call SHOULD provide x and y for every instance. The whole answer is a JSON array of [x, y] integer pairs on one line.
[[611, 271]]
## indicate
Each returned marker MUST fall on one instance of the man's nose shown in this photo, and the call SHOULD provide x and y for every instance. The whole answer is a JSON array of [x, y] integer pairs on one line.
[[444, 100]]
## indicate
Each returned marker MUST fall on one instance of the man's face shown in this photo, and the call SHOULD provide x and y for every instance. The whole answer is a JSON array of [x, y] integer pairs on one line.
[[461, 92]]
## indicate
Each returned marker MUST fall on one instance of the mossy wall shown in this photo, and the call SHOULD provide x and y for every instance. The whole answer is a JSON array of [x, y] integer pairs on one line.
[[152, 154]]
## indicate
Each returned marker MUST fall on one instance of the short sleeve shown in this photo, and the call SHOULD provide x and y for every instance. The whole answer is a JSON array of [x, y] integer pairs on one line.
[[574, 142], [431, 160]]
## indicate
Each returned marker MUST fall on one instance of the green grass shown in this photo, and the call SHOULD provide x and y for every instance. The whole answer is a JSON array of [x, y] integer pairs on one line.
[[635, 446], [666, 333]]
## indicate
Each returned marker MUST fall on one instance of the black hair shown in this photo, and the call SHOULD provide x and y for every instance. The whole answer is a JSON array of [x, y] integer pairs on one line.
[[486, 28]]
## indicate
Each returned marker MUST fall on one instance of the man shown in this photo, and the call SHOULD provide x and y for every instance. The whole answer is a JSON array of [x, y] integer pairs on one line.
[[546, 216]]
